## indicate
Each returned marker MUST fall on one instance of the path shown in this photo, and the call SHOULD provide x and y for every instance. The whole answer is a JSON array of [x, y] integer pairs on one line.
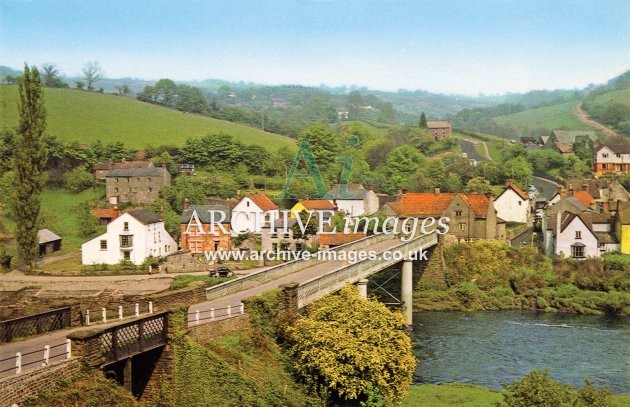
[[582, 116], [468, 147]]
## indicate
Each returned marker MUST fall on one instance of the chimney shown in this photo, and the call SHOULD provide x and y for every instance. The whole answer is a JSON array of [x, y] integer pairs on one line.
[[508, 182], [436, 190], [488, 194], [164, 164], [238, 194], [186, 203], [161, 215], [570, 191], [116, 211], [399, 193]]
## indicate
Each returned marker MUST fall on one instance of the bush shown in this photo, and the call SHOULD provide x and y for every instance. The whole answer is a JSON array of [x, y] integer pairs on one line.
[[77, 180]]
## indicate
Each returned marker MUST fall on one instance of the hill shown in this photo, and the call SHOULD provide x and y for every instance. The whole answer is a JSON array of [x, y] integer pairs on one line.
[[75, 115], [610, 108], [542, 119]]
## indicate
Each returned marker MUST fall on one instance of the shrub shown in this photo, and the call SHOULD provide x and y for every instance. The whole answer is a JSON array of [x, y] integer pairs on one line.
[[77, 180]]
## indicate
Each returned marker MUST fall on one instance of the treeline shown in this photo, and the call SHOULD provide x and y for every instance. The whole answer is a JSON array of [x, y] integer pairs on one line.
[[603, 109]]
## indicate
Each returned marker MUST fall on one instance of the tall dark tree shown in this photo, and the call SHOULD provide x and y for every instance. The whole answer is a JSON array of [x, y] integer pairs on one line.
[[29, 162], [423, 120]]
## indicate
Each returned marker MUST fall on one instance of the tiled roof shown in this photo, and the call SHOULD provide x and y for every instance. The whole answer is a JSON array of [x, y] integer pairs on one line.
[[123, 165], [516, 189], [46, 236], [136, 172], [204, 213], [337, 239], [426, 204], [105, 213], [616, 148], [263, 202], [144, 216], [353, 192], [569, 136], [318, 204], [438, 124], [584, 197], [564, 148]]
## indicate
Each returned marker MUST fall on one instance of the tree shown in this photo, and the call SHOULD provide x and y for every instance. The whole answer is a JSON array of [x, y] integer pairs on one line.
[[322, 142], [92, 72], [51, 77], [478, 185], [29, 162], [123, 89], [354, 349], [88, 223], [423, 120], [80, 85], [77, 180]]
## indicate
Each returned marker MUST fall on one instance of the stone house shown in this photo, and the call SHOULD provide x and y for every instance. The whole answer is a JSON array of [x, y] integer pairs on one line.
[[136, 185], [313, 205], [102, 169], [133, 236], [439, 128]]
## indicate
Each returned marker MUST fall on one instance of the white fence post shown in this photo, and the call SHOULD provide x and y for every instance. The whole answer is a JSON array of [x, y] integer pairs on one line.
[[87, 318], [137, 310], [120, 312], [150, 307], [68, 348], [46, 355], [197, 317], [211, 314], [104, 314], [242, 308], [18, 363], [229, 310]]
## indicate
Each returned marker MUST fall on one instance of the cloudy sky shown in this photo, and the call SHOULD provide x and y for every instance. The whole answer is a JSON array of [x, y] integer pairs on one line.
[[449, 46]]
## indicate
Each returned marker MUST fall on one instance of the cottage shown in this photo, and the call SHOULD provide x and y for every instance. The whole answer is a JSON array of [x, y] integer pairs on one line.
[[313, 205], [49, 242], [513, 205], [137, 185], [102, 169], [199, 227], [439, 128], [605, 192], [133, 236], [354, 199], [612, 159], [105, 215], [569, 137], [253, 211]]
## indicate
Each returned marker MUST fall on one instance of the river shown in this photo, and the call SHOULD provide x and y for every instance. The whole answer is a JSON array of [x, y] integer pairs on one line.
[[489, 348]]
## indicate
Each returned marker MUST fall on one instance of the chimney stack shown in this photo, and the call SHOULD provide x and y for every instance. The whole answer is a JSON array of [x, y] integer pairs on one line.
[[508, 182], [436, 190], [164, 164], [570, 193], [186, 203], [161, 215], [238, 194]]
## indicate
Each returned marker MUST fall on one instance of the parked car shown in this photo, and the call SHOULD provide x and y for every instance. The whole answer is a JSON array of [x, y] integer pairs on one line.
[[220, 272]]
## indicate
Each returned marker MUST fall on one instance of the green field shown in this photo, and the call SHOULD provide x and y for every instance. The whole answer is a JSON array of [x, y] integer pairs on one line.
[[617, 96], [75, 115], [548, 118]]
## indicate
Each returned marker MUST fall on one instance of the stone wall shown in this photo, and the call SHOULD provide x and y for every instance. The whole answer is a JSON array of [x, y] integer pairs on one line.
[[207, 332], [17, 388]]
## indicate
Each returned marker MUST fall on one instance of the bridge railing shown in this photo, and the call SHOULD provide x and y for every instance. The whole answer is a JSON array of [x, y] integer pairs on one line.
[[128, 339], [198, 317], [264, 276], [37, 358], [317, 287], [34, 324], [104, 315]]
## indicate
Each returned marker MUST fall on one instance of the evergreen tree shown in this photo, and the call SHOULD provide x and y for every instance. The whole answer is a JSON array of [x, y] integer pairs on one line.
[[29, 161], [423, 121]]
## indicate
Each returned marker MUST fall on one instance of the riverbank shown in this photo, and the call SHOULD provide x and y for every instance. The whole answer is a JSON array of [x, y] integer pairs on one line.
[[493, 276], [467, 395]]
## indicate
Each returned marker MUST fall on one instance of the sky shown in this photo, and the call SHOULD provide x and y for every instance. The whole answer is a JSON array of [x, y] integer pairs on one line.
[[445, 46]]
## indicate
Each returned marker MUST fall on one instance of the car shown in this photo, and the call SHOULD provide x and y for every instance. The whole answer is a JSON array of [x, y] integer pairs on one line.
[[220, 272]]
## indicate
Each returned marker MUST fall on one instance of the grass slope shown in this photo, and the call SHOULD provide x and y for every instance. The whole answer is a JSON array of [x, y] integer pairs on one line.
[[75, 115], [548, 118]]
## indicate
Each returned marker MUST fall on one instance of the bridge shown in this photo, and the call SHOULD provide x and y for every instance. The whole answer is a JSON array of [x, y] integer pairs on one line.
[[120, 342]]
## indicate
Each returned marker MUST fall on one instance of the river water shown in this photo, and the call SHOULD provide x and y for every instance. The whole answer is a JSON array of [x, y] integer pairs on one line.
[[489, 348]]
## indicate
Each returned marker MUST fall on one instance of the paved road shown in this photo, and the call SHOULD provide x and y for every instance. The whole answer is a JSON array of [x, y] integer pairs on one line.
[[468, 147], [36, 345], [546, 187]]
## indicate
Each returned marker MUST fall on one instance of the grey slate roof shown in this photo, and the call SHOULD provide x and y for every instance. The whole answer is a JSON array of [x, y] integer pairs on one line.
[[144, 216], [354, 192], [46, 236], [617, 148], [203, 212], [569, 136], [136, 172]]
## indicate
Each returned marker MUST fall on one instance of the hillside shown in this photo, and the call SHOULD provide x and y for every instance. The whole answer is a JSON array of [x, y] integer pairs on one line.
[[542, 119], [610, 108], [75, 115]]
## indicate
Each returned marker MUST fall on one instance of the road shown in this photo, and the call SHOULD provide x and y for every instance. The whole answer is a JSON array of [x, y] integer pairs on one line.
[[547, 188], [468, 147], [582, 116]]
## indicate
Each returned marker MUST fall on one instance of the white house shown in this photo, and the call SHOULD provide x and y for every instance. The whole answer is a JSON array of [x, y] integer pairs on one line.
[[355, 200], [252, 209], [513, 204], [575, 238], [133, 236]]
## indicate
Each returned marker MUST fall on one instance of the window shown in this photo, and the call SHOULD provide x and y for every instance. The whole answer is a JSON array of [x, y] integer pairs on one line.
[[618, 155], [115, 189], [605, 155], [150, 189], [115, 179], [458, 213], [520, 203], [604, 166], [126, 226], [247, 203], [577, 251], [126, 241], [299, 247], [578, 234], [285, 247], [274, 247], [462, 226], [103, 244], [127, 256]]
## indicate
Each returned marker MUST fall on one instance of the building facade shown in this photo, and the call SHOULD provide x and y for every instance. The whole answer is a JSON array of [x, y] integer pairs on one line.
[[136, 185]]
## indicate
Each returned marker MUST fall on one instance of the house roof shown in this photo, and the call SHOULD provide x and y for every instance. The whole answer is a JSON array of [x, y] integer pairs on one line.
[[584, 197], [337, 239], [123, 165], [354, 192], [428, 204], [46, 236], [263, 202], [318, 204], [511, 185], [566, 220], [569, 136], [616, 148], [563, 148], [438, 124], [135, 172], [105, 213], [605, 237], [204, 213], [144, 216]]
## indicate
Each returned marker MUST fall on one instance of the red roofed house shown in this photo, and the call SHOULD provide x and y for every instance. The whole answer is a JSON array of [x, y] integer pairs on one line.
[[253, 212], [327, 241], [612, 158], [513, 205], [312, 205], [105, 215], [472, 216], [586, 198]]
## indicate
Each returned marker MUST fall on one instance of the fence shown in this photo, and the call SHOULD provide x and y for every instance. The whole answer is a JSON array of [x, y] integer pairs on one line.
[[42, 357], [34, 324], [103, 315], [198, 317], [125, 340]]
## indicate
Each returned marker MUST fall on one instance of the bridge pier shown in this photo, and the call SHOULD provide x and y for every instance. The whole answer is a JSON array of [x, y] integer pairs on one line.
[[406, 288], [127, 375], [362, 287]]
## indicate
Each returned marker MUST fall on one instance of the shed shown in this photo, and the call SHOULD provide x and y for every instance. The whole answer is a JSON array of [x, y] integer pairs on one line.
[[49, 242]]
